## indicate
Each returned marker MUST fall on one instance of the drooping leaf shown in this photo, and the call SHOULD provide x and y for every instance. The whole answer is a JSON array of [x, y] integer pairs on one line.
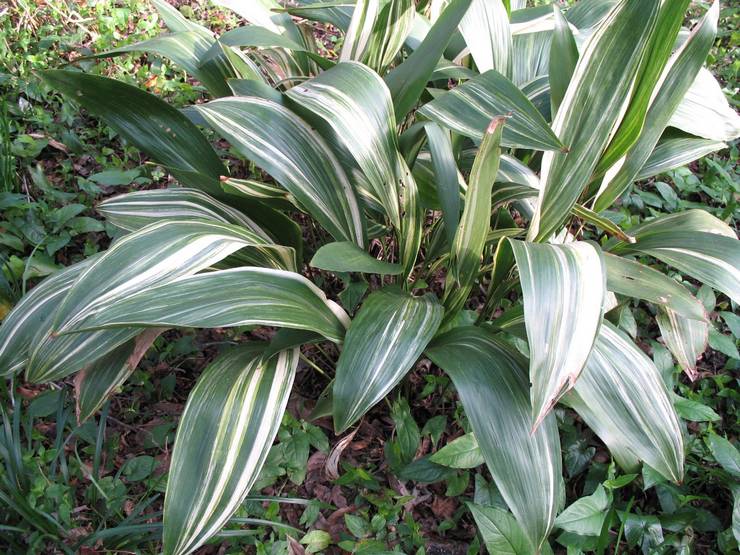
[[491, 379], [226, 298], [469, 108], [175, 21], [622, 397], [672, 153], [146, 122], [407, 81], [267, 14], [387, 335], [95, 383], [563, 288], [355, 102], [485, 28], [295, 155], [500, 531], [678, 75], [348, 257], [224, 436], [602, 81]]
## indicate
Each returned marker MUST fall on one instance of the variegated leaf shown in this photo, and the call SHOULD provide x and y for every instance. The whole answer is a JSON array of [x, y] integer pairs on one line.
[[563, 288], [491, 379], [386, 337], [563, 59], [152, 255], [674, 152], [227, 298], [686, 338], [622, 397], [485, 28], [469, 108], [356, 103], [295, 155], [602, 81], [225, 433], [95, 383]]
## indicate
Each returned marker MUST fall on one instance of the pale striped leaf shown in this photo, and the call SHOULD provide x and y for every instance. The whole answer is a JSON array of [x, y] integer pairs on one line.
[[469, 108], [678, 75], [377, 31], [285, 146], [338, 14], [224, 436], [222, 63], [602, 81], [674, 152], [175, 21], [132, 211], [621, 396], [227, 298], [32, 317], [563, 59], [267, 14], [95, 383], [447, 177], [269, 193], [356, 103], [412, 222], [470, 236], [152, 255], [628, 277], [249, 87], [491, 379], [348, 257], [705, 112], [563, 288], [387, 335], [688, 220], [407, 81], [530, 57], [685, 338], [500, 531], [485, 28], [146, 122], [589, 13]]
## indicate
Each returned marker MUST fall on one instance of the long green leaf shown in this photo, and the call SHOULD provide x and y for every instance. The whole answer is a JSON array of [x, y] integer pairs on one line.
[[357, 105], [348, 257], [563, 59], [500, 531], [146, 122], [591, 109], [563, 288], [153, 255], [485, 28], [622, 397], [224, 436], [386, 337], [677, 78], [95, 383], [469, 108], [227, 298], [491, 379], [407, 81], [285, 146]]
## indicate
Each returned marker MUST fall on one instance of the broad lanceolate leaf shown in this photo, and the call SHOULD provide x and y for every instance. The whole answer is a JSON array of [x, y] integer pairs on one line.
[[491, 379], [133, 211], [407, 81], [592, 107], [469, 108], [677, 78], [674, 152], [686, 338], [585, 516], [386, 337], [348, 257], [500, 531], [153, 255], [622, 397], [226, 298], [705, 112], [563, 288], [462, 452], [146, 122], [285, 146], [563, 59], [95, 383], [628, 277], [485, 28], [377, 31], [470, 238], [357, 105], [225, 433], [175, 21], [32, 317]]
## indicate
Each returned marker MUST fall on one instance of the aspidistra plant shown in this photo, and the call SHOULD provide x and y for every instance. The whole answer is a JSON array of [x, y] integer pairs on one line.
[[553, 114]]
